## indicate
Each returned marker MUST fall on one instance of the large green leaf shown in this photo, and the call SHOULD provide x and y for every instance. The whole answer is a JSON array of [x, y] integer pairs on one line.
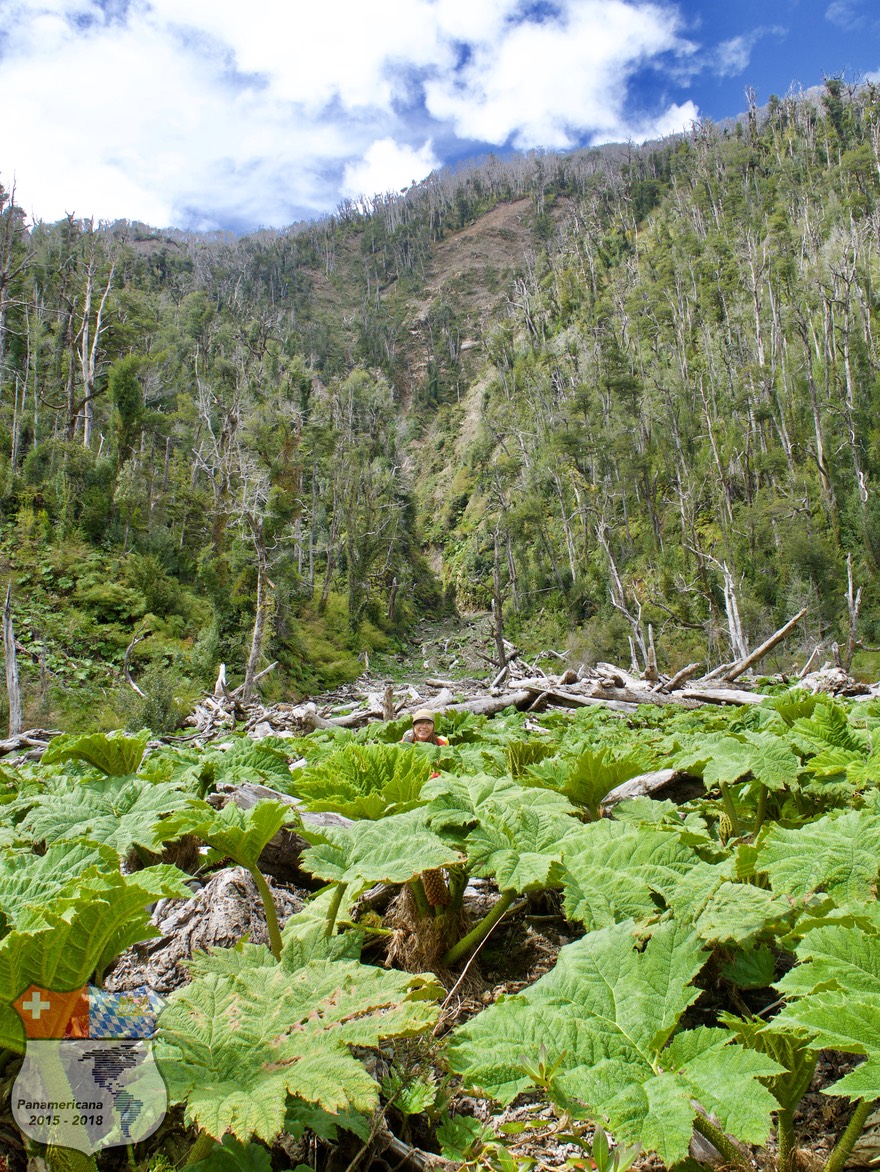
[[589, 777], [726, 759], [233, 832], [247, 760], [365, 781], [836, 999], [234, 1047], [842, 1021], [829, 726], [30, 883], [734, 912], [843, 957], [598, 1026], [119, 813], [837, 854], [394, 850], [520, 848], [612, 871], [458, 804], [113, 753]]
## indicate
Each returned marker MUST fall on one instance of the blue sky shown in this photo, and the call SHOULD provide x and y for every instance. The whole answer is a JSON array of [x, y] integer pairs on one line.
[[216, 114]]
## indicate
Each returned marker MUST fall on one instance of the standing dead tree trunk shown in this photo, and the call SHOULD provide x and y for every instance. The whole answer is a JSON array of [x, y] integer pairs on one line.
[[853, 606], [498, 614], [13, 234], [618, 601], [739, 644], [264, 585], [13, 686]]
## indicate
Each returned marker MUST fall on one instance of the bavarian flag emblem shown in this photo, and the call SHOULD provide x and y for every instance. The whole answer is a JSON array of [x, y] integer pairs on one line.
[[89, 1080]]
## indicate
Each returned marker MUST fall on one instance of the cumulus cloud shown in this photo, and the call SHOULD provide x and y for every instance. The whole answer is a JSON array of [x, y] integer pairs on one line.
[[544, 83], [388, 166], [206, 114]]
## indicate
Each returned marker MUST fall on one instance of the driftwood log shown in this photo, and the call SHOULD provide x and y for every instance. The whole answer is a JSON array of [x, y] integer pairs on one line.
[[524, 686], [658, 783], [226, 910]]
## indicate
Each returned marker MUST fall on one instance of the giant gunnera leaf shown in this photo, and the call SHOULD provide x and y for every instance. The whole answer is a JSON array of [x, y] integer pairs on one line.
[[233, 832], [114, 753], [599, 1028], [725, 759], [233, 1047], [836, 854], [520, 848], [80, 936], [364, 781], [835, 999], [587, 778], [394, 850], [31, 883], [117, 812], [615, 871]]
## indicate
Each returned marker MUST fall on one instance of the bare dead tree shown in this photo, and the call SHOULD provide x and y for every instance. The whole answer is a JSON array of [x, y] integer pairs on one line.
[[12, 234], [853, 606], [739, 644], [497, 610], [13, 686], [619, 602]]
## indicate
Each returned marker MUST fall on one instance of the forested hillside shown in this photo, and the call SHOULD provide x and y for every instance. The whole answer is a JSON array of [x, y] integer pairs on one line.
[[612, 387]]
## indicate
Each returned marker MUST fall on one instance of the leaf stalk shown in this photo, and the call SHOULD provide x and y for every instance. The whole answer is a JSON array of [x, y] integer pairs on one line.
[[785, 1140], [467, 943], [333, 909], [851, 1133], [730, 808], [201, 1149], [272, 924], [731, 1151], [421, 900]]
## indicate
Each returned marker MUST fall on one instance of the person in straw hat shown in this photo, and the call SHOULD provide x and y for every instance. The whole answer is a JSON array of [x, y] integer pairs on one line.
[[422, 731]]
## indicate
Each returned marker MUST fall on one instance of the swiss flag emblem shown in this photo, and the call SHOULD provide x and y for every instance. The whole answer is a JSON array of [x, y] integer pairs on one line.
[[49, 1014]]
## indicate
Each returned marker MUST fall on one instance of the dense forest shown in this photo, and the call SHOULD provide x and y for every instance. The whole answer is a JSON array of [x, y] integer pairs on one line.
[[606, 388]]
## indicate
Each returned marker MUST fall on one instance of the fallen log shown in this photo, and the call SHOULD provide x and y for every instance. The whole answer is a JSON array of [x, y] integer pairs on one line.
[[744, 664], [631, 695], [442, 700], [645, 785], [637, 787], [34, 738], [721, 695], [492, 704], [679, 678], [567, 699]]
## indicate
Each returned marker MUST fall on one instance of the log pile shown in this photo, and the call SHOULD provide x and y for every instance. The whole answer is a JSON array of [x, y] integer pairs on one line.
[[518, 684]]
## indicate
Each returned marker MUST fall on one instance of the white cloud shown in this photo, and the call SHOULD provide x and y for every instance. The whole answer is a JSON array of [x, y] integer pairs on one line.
[[388, 166], [202, 111], [733, 56], [544, 83], [846, 14]]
